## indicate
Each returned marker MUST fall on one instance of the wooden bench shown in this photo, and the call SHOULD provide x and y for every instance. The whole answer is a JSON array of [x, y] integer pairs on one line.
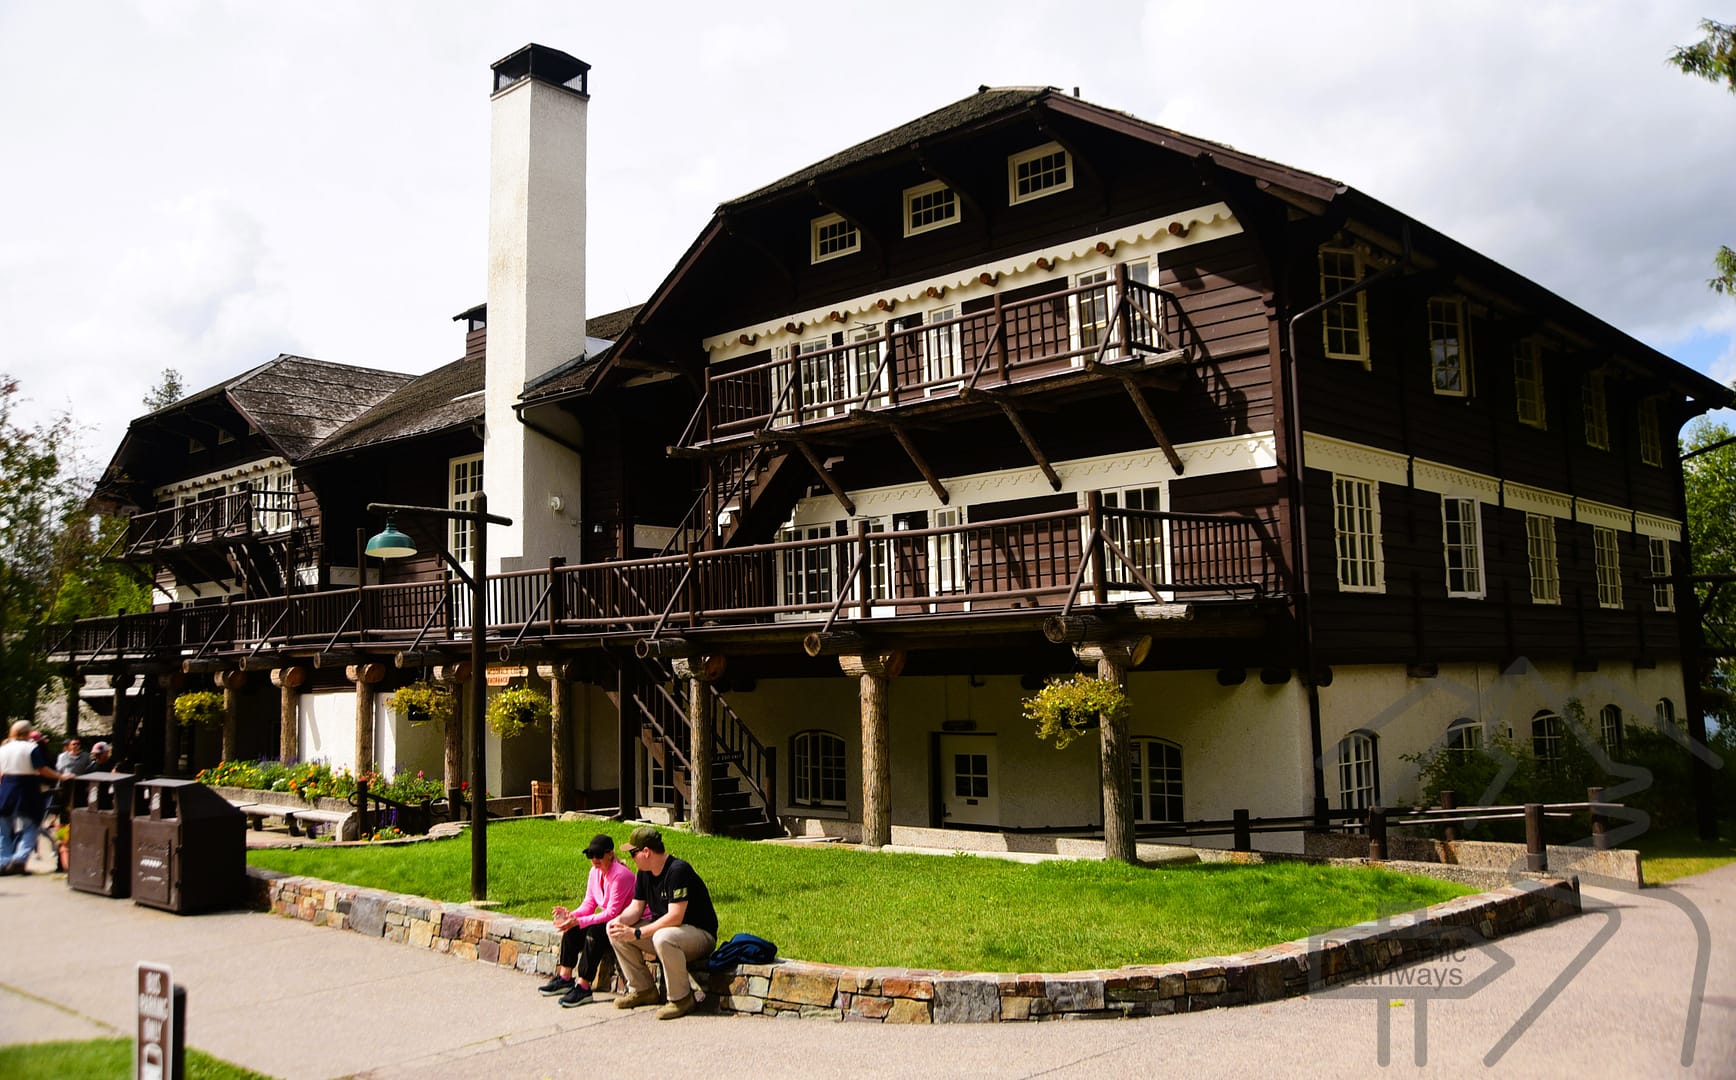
[[291, 815], [314, 817]]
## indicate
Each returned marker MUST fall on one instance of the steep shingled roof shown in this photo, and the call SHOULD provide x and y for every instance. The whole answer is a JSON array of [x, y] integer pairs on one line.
[[573, 376]]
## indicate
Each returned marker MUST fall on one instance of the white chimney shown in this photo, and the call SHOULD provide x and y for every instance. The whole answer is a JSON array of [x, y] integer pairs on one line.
[[536, 295]]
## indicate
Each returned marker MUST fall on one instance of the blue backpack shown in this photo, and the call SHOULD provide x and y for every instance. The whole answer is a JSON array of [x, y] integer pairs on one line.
[[742, 949]]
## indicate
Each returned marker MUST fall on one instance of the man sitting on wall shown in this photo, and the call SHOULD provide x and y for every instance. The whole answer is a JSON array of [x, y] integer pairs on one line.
[[671, 916]]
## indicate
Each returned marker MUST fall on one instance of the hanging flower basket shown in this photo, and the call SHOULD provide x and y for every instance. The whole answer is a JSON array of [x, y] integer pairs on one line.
[[514, 710], [1065, 709], [423, 702], [200, 707]]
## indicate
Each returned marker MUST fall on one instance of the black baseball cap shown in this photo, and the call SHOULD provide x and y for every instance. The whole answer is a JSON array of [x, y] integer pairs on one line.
[[600, 845]]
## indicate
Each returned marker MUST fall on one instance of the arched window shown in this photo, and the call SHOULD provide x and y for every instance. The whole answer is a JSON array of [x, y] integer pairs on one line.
[[1546, 739], [1666, 714], [1465, 736], [817, 769], [1358, 771], [1156, 779], [1610, 728]]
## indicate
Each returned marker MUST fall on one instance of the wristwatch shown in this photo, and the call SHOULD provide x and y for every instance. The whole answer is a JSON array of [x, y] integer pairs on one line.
[[636, 936]]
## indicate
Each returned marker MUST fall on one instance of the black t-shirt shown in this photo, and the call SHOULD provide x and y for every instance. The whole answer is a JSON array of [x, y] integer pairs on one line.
[[678, 882]]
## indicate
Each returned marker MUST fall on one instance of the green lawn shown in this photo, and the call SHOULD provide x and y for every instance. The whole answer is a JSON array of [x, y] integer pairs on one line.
[[99, 1058], [846, 906], [1668, 854]]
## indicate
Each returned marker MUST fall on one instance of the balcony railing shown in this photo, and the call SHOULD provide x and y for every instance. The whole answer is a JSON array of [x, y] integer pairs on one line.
[[1105, 321], [234, 516], [1037, 562]]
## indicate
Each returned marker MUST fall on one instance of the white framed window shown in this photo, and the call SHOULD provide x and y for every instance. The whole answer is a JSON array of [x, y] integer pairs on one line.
[[1358, 771], [807, 571], [832, 236], [865, 369], [1651, 444], [659, 780], [1546, 740], [1596, 404], [1356, 530], [1449, 346], [1610, 728], [1528, 385], [941, 351], [1665, 714], [1141, 538], [273, 501], [817, 769], [1606, 549], [946, 553], [1663, 592], [1464, 736], [1540, 553], [813, 375], [463, 485], [1091, 308], [1463, 537], [1344, 322], [1039, 171], [928, 207], [1157, 792], [874, 582]]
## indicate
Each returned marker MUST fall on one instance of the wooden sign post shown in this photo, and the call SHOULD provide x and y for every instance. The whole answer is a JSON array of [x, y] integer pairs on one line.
[[162, 1012]]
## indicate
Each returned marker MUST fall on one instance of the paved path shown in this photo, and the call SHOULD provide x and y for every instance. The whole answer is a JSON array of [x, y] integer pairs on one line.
[[293, 1001]]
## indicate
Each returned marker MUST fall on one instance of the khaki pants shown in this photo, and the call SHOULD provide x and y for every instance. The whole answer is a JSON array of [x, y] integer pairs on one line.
[[673, 946]]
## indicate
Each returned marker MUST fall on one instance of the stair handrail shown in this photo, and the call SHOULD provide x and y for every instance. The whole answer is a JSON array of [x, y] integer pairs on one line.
[[730, 731]]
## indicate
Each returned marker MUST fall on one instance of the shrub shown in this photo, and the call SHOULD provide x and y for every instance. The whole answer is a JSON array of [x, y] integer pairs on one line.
[[1065, 709], [423, 702], [202, 707], [515, 710]]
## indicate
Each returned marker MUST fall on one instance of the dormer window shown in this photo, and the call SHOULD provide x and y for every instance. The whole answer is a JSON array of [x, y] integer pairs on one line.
[[832, 236], [1344, 322], [1040, 171], [928, 207]]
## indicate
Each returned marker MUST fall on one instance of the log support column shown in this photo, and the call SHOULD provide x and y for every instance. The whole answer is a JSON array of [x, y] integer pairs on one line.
[[366, 677], [289, 681], [700, 672], [875, 672], [171, 683], [560, 678], [72, 680], [455, 676], [230, 682], [1113, 659]]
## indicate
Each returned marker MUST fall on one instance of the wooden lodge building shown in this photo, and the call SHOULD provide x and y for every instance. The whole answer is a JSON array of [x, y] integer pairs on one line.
[[1024, 387]]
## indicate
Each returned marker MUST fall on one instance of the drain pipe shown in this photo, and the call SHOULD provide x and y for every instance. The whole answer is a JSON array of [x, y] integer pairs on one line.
[[1299, 523]]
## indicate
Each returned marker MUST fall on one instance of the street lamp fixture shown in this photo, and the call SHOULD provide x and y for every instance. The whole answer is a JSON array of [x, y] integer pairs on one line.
[[392, 544]]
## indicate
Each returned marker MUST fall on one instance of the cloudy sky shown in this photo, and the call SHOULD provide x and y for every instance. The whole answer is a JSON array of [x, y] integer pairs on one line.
[[203, 184]]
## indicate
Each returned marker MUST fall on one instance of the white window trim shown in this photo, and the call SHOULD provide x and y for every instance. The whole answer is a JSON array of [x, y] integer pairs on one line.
[[1663, 592], [1538, 559], [455, 500], [1378, 555], [1035, 152], [1530, 352], [1142, 807], [1473, 568], [813, 740], [911, 194], [824, 221], [1608, 573], [1594, 399], [1358, 299], [1353, 792], [1651, 441], [1462, 337]]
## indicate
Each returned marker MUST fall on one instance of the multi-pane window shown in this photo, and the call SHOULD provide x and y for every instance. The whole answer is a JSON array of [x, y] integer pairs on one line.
[[807, 569], [1528, 384], [1464, 546], [1464, 736], [1356, 530], [1651, 446], [1091, 308], [1358, 772], [1610, 725], [1546, 740], [817, 769], [970, 776], [1606, 548], [929, 206], [659, 780], [1596, 411], [946, 565], [274, 501], [1663, 592], [875, 582], [940, 350], [465, 475], [1345, 322], [1156, 779], [833, 236], [1449, 347], [1666, 714], [1540, 553], [1042, 170], [1140, 538], [814, 372], [865, 367]]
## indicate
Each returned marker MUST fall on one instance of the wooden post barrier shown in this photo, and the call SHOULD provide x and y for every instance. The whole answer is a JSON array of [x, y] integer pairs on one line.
[[1244, 836], [1376, 834], [1599, 823], [1450, 801], [1536, 855]]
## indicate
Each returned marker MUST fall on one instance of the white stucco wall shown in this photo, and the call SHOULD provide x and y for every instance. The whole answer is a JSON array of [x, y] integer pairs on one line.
[[327, 724]]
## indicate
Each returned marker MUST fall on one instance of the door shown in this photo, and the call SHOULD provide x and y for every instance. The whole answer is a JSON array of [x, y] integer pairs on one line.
[[969, 784]]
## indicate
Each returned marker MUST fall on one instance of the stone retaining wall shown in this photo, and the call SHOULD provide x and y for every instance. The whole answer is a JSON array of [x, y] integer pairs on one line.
[[911, 996], [1617, 864]]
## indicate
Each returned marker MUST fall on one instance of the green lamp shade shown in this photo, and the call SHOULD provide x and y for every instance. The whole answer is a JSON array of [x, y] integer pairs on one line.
[[391, 544]]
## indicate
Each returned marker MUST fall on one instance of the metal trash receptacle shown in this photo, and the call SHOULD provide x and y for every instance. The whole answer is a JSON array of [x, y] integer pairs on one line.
[[189, 847], [99, 837]]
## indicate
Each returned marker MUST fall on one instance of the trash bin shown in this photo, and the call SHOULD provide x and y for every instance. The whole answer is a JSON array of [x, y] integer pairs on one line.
[[100, 834], [189, 847]]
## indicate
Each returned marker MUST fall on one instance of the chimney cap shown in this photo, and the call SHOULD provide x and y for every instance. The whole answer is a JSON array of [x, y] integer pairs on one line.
[[544, 64]]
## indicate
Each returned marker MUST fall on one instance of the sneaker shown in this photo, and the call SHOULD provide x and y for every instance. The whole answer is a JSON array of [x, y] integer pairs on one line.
[[636, 999], [677, 1009], [556, 985], [575, 997]]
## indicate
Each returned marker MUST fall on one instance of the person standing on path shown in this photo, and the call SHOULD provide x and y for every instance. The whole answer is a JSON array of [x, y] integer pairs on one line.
[[23, 767], [670, 917], [584, 933]]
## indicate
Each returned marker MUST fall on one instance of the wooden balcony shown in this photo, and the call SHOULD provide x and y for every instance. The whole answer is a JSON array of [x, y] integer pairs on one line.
[[1076, 335], [1043, 563], [226, 519]]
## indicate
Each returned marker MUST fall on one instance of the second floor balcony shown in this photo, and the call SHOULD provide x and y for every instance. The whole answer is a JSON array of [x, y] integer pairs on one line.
[[212, 520]]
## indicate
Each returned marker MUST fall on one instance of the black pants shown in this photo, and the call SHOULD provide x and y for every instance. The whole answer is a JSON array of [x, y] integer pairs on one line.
[[583, 947]]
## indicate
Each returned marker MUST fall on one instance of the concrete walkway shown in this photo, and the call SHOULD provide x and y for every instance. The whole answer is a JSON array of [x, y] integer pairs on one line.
[[292, 1001]]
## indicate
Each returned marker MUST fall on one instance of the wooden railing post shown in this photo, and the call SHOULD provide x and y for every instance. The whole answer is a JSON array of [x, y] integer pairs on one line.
[[1244, 837], [1599, 823], [1450, 801], [1124, 325], [1536, 854], [867, 571], [557, 594], [770, 783], [1377, 834], [364, 815], [1001, 338], [1094, 515]]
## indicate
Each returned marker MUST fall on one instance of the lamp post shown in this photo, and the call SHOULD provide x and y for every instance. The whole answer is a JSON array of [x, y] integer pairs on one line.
[[392, 544]]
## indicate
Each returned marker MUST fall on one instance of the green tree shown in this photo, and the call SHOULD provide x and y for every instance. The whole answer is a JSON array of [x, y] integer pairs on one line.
[[168, 390], [1709, 477], [1713, 58]]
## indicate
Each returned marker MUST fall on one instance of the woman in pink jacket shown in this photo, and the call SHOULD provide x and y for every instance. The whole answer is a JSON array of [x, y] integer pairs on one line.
[[584, 937]]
